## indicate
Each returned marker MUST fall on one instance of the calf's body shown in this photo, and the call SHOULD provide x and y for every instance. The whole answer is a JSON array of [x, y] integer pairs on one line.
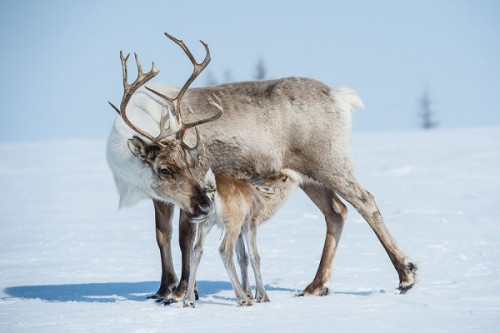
[[239, 208]]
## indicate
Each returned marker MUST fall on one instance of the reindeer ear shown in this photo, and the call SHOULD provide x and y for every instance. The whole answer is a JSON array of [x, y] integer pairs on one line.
[[210, 180], [266, 189], [138, 147]]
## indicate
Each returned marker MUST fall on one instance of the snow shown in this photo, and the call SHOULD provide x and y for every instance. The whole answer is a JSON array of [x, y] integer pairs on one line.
[[71, 262]]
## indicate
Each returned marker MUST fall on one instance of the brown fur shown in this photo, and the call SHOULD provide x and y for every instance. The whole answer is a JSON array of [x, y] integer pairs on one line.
[[240, 208]]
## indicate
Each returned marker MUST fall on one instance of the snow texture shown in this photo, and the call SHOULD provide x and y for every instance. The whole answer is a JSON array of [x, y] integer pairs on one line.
[[70, 261]]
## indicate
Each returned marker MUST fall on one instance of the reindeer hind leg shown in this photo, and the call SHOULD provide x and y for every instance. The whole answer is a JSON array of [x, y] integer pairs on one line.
[[364, 202], [243, 262], [251, 238], [335, 213], [226, 250]]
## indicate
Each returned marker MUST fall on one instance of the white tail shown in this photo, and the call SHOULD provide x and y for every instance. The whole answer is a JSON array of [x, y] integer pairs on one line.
[[348, 97]]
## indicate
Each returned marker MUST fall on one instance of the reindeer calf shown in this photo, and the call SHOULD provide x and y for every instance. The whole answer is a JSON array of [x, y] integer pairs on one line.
[[239, 207]]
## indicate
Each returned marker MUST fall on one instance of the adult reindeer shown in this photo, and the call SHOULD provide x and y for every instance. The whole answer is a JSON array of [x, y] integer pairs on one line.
[[265, 126]]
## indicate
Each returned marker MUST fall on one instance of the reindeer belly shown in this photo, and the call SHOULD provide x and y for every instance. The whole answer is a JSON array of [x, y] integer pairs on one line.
[[242, 161]]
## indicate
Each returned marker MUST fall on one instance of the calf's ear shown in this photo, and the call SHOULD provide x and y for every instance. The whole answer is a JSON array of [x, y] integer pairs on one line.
[[266, 189], [209, 180]]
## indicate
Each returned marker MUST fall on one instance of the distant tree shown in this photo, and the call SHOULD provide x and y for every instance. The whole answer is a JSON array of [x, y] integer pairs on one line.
[[426, 113], [260, 74], [260, 70], [228, 77], [211, 80]]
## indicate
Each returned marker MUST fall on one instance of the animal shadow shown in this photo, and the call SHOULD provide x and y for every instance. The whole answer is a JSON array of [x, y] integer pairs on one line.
[[109, 292]]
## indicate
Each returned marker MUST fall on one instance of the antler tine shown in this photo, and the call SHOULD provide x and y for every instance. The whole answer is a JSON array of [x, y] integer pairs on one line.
[[164, 132], [214, 117], [198, 68], [172, 100], [197, 150], [124, 74], [130, 89], [124, 69]]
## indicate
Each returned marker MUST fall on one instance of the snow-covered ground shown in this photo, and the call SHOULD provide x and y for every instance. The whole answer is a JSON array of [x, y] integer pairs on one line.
[[70, 261]]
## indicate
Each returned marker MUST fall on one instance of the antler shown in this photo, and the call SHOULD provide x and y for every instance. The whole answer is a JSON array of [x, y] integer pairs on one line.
[[130, 89], [176, 101], [197, 150]]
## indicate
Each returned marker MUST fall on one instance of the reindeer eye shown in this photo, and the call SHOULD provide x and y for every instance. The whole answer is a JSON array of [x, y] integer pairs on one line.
[[165, 172]]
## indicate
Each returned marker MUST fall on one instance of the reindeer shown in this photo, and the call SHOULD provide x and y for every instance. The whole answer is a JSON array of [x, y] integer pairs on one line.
[[239, 208], [248, 130]]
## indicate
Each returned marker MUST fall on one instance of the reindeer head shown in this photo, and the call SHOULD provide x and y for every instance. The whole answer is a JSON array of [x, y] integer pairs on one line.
[[177, 169]]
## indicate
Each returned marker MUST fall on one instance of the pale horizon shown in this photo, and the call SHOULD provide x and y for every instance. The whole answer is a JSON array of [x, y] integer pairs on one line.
[[61, 59]]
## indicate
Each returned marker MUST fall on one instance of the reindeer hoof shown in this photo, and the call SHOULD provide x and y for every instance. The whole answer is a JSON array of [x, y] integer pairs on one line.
[[177, 295], [154, 296], [189, 304], [159, 295], [167, 301], [403, 289], [245, 302], [321, 291], [411, 267], [410, 280]]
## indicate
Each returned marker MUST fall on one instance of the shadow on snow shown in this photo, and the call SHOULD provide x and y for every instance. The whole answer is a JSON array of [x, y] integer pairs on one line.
[[109, 292]]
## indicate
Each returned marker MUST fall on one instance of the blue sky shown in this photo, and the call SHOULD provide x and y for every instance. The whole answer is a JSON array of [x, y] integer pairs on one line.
[[60, 59]]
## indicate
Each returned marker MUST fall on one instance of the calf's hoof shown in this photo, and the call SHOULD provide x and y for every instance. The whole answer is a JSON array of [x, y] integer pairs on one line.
[[244, 302], [189, 304], [262, 298]]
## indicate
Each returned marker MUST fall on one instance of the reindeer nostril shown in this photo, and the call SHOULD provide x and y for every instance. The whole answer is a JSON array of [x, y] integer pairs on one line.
[[204, 206], [205, 209]]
